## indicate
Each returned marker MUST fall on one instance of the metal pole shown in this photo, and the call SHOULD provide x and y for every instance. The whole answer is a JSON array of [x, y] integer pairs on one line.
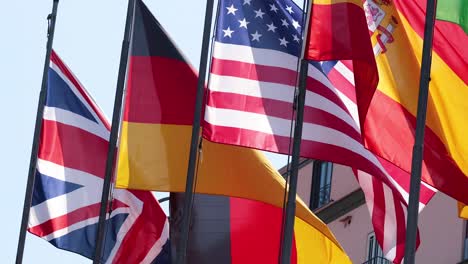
[[188, 199], [286, 246], [291, 202], [418, 148], [112, 149], [37, 130]]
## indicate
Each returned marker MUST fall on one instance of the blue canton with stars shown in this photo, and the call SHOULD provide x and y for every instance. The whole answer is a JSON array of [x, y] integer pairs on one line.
[[272, 24]]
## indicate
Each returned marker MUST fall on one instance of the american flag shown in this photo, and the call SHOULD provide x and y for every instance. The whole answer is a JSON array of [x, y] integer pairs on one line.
[[253, 74], [387, 201], [252, 84], [69, 180], [250, 103]]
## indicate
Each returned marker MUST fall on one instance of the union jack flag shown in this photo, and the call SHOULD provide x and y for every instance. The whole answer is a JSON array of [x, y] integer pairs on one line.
[[69, 179]]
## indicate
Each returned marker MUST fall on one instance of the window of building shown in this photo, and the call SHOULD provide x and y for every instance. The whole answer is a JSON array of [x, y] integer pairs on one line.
[[374, 252], [321, 184], [465, 253]]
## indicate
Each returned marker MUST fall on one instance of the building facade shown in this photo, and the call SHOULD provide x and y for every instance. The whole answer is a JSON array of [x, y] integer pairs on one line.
[[332, 192]]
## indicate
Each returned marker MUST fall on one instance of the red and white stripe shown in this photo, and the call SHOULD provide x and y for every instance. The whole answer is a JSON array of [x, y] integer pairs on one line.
[[386, 201], [250, 99], [250, 103]]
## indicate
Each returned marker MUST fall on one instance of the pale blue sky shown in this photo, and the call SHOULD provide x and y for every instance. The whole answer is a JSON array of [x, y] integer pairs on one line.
[[88, 37]]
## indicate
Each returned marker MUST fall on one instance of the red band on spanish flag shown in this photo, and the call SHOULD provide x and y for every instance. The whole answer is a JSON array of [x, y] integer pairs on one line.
[[338, 31]]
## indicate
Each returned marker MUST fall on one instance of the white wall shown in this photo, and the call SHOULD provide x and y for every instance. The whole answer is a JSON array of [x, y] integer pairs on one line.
[[353, 237], [343, 182], [304, 182], [441, 232]]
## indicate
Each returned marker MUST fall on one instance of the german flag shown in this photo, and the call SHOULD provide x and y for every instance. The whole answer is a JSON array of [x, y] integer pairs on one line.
[[239, 231], [155, 141], [391, 119]]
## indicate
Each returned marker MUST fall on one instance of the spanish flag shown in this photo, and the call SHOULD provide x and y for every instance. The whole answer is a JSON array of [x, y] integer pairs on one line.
[[155, 141], [338, 31], [390, 123]]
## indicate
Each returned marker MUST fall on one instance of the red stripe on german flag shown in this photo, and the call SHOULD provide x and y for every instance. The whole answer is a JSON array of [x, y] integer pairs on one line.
[[160, 90], [230, 230]]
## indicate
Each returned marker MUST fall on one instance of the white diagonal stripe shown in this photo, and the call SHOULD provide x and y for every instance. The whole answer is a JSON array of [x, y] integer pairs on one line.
[[78, 121], [75, 91], [62, 173], [390, 223], [345, 72], [157, 247]]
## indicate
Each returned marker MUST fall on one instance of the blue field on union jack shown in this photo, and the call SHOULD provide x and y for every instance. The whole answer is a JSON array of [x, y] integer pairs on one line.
[[69, 179]]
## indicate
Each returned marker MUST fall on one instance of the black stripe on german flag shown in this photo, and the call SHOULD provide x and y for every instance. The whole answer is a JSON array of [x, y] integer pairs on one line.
[[149, 38], [228, 230]]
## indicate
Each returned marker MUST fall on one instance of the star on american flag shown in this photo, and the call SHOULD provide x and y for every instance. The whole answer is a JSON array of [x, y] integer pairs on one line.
[[261, 24]]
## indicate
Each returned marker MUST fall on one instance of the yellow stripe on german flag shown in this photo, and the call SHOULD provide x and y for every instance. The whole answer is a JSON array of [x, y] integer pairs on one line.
[[154, 157]]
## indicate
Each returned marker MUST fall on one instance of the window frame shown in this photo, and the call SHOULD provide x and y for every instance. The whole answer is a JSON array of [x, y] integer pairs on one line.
[[465, 243], [322, 173], [375, 254]]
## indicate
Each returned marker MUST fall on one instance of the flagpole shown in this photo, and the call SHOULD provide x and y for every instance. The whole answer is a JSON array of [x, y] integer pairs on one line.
[[418, 148], [112, 149], [189, 185], [286, 246], [37, 130]]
